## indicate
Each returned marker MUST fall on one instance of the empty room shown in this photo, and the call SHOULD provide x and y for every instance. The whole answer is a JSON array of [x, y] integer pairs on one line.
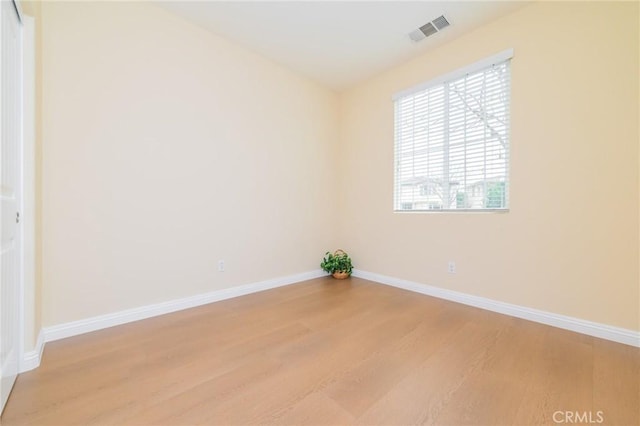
[[320, 212]]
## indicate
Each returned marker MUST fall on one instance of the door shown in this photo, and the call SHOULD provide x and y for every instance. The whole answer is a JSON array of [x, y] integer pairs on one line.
[[10, 194]]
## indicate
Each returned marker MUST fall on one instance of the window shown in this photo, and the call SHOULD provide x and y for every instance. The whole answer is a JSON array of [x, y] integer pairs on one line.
[[452, 140]]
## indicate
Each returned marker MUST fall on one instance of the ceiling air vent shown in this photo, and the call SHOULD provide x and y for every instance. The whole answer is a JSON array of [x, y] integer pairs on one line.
[[428, 29], [440, 23]]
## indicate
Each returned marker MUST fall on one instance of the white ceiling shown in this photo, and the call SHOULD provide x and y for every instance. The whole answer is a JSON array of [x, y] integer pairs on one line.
[[338, 43]]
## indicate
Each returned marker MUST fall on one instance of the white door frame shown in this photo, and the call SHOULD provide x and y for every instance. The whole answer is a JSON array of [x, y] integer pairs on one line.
[[16, 285], [28, 337], [28, 355]]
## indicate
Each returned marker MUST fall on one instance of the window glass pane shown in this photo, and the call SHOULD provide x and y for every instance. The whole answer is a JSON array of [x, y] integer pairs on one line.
[[452, 143]]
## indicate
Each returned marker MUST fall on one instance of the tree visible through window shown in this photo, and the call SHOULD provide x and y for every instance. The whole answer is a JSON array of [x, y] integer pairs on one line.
[[452, 141]]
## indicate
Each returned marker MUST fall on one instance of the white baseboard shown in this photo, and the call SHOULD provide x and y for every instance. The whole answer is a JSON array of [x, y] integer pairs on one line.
[[75, 328], [31, 360], [603, 331]]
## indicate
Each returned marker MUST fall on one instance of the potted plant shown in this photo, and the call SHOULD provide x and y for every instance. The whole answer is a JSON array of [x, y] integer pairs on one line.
[[338, 264]]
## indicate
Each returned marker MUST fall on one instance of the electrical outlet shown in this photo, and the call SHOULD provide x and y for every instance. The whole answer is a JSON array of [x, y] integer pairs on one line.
[[452, 267], [220, 265]]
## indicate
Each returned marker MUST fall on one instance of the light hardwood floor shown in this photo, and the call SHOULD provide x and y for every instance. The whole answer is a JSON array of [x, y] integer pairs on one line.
[[333, 353]]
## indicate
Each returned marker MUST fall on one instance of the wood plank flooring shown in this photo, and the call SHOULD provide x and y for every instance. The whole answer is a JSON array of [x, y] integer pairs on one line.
[[328, 352]]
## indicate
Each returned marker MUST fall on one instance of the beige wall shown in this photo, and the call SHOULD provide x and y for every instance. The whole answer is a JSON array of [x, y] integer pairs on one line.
[[569, 244], [167, 148]]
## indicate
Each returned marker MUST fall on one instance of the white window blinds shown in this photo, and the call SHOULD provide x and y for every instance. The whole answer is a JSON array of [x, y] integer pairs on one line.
[[452, 140]]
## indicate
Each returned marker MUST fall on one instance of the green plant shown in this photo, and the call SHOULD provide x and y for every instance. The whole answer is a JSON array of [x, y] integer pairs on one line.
[[339, 261]]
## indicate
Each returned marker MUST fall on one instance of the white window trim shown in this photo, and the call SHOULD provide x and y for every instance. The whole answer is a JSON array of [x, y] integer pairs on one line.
[[453, 75]]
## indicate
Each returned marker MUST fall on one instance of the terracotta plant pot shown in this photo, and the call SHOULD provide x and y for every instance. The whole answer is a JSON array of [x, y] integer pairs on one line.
[[341, 275]]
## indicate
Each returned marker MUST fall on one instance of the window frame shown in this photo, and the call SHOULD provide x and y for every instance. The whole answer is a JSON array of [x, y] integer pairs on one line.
[[504, 56]]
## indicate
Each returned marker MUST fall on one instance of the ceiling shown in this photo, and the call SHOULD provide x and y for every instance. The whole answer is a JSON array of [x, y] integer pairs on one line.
[[338, 43]]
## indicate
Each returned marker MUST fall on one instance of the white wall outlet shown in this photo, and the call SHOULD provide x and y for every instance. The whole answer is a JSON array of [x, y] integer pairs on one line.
[[220, 265], [452, 267]]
